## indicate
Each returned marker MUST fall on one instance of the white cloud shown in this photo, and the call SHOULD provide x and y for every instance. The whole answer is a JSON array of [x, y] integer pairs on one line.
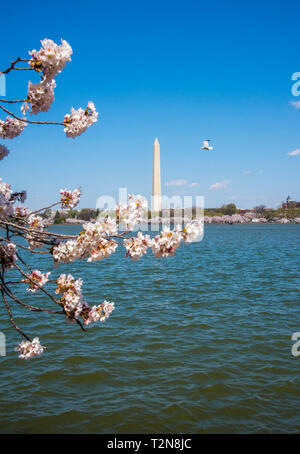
[[176, 183], [192, 185], [294, 153], [296, 104], [220, 185], [247, 172]]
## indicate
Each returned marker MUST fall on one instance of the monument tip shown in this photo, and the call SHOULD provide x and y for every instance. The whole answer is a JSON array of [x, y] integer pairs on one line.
[[156, 141]]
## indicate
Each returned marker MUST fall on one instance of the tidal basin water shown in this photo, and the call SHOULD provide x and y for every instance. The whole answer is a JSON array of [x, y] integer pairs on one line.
[[197, 343]]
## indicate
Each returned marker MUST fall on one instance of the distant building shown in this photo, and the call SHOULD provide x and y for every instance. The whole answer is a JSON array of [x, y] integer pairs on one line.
[[290, 204]]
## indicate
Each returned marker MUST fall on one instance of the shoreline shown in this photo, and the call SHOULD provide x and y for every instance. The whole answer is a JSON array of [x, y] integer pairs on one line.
[[81, 222]]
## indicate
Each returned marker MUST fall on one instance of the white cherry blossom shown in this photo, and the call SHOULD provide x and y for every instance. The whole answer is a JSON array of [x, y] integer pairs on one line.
[[30, 349], [41, 95], [11, 127], [192, 232], [137, 246], [167, 242], [70, 199], [36, 224], [98, 313], [79, 120], [51, 58], [38, 278]]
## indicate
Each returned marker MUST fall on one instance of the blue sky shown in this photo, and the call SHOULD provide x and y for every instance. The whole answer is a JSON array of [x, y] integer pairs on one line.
[[179, 71]]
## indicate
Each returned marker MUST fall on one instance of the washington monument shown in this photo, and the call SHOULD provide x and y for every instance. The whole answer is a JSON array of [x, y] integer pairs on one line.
[[156, 185]]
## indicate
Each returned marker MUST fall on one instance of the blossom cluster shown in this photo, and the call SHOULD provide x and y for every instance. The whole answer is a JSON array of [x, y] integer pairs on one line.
[[69, 199], [192, 231], [71, 300], [103, 249], [137, 246], [74, 305], [79, 120], [41, 96], [6, 201], [36, 279], [94, 242], [167, 242], [132, 213], [97, 313], [91, 243], [21, 212], [51, 58], [5, 190], [36, 224], [30, 349], [11, 127], [49, 61]]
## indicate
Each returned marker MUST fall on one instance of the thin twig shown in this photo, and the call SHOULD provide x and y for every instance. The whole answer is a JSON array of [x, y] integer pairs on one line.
[[23, 247], [35, 283], [80, 324], [12, 319], [13, 63], [31, 122], [27, 306], [13, 102], [58, 235], [43, 209]]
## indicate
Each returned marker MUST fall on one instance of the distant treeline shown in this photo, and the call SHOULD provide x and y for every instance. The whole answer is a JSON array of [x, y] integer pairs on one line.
[[87, 214], [260, 211]]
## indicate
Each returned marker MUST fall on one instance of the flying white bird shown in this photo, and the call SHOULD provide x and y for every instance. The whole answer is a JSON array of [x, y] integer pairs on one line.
[[206, 145]]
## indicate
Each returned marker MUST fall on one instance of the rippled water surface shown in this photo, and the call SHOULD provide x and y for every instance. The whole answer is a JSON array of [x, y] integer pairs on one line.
[[198, 343]]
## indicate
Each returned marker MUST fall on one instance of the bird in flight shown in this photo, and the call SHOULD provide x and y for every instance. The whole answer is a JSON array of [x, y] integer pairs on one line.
[[206, 146]]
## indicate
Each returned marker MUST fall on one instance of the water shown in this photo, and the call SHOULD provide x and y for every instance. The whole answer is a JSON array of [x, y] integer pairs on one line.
[[198, 343]]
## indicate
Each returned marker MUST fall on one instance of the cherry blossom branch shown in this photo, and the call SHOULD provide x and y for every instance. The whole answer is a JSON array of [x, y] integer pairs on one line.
[[35, 283], [13, 63], [29, 121], [43, 209], [80, 324], [39, 237], [23, 247], [23, 69], [31, 308], [35, 237], [97, 241], [13, 102], [56, 235], [11, 317]]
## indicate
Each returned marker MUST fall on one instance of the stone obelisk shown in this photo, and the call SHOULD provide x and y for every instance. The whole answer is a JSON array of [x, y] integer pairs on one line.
[[156, 184]]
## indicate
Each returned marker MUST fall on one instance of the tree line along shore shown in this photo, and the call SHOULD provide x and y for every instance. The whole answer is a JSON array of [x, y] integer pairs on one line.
[[227, 214]]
